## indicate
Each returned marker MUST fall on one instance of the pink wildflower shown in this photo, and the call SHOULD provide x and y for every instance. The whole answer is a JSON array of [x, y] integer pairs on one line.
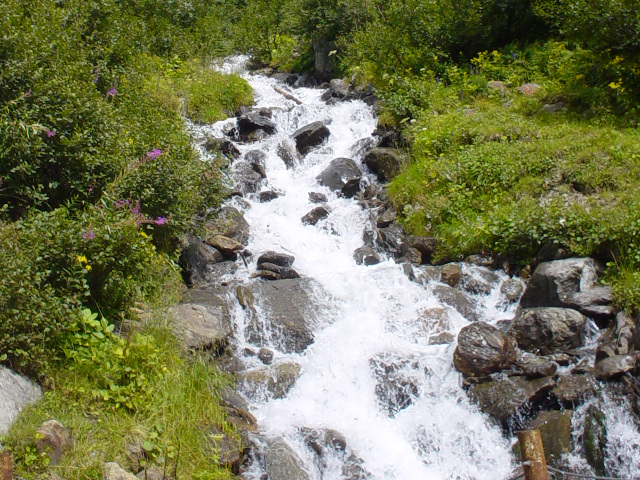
[[153, 154]]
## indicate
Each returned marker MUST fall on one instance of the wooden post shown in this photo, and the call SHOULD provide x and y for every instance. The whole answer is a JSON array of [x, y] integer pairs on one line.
[[6, 466], [532, 454]]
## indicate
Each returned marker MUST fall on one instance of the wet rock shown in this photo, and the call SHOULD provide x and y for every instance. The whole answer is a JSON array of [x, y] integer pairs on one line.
[[485, 261], [363, 145], [569, 283], [113, 471], [443, 338], [425, 245], [288, 154], [353, 469], [510, 399], [256, 156], [595, 439], [323, 439], [512, 290], [277, 380], [315, 197], [16, 393], [339, 89], [220, 272], [225, 245], [53, 439], [478, 281], [228, 450], [434, 319], [310, 136], [548, 330], [290, 310], [342, 175], [366, 256], [195, 259], [614, 367], [482, 350], [268, 196], [276, 258], [266, 356], [534, 366], [230, 398], [618, 339], [222, 145], [315, 215], [229, 223], [325, 63], [253, 121], [394, 240], [397, 386], [282, 272], [245, 297], [572, 390], [201, 326], [450, 274], [412, 256], [283, 463], [288, 78], [247, 179], [458, 300], [555, 430], [267, 275], [388, 217], [242, 420], [529, 89], [386, 163]]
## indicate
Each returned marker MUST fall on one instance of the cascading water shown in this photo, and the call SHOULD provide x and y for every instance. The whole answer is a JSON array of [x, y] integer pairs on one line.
[[368, 332]]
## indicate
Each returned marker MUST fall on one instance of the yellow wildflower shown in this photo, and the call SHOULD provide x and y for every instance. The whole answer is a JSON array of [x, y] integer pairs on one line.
[[81, 259], [143, 235], [88, 267]]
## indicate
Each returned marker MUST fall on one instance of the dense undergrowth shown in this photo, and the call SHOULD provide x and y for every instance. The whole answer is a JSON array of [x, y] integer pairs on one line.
[[98, 180]]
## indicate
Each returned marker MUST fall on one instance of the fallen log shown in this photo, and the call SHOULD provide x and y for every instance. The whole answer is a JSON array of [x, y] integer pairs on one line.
[[287, 95]]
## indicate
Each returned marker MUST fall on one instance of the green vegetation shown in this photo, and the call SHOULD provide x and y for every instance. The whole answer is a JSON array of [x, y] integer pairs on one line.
[[98, 180]]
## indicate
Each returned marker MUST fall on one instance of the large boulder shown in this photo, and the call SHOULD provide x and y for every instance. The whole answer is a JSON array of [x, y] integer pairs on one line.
[[310, 136], [230, 223], [247, 178], [225, 245], [569, 283], [572, 390], [315, 215], [614, 367], [342, 175], [385, 162], [276, 258], [482, 350], [555, 430], [196, 259], [366, 256], [458, 300], [291, 312], [283, 463], [510, 399], [274, 380], [394, 240], [253, 121], [281, 272], [16, 393], [201, 326], [548, 330], [53, 440], [618, 339]]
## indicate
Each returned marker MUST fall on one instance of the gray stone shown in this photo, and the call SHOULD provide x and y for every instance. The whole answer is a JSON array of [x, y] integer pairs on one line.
[[552, 107], [315, 197], [16, 393], [572, 390], [482, 350], [229, 223], [458, 300], [569, 283], [425, 245], [442, 338], [595, 439], [396, 376], [113, 471], [247, 179], [253, 121], [366, 256], [282, 272], [496, 85], [394, 239], [201, 326], [310, 136], [277, 380], [387, 218], [534, 366], [325, 62], [548, 330], [283, 463], [195, 260], [511, 289], [222, 145], [555, 430], [485, 261], [450, 274], [510, 399], [290, 310], [342, 175], [268, 196], [225, 245], [245, 297], [618, 339], [266, 356], [480, 282], [386, 163], [276, 258], [288, 154], [614, 367], [315, 215], [412, 255], [529, 89], [230, 398], [151, 474]]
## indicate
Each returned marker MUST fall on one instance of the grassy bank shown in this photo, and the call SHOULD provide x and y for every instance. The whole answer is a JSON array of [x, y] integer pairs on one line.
[[98, 180], [500, 170]]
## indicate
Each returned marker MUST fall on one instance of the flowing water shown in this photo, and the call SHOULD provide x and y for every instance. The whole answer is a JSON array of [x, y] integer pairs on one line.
[[366, 313]]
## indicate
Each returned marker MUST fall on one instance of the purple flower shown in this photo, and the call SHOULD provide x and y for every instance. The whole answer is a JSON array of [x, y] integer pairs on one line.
[[112, 92], [161, 221], [51, 133], [153, 154], [89, 235], [513, 55]]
